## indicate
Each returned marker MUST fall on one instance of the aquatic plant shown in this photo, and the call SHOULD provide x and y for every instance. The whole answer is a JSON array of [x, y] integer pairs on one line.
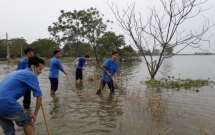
[[172, 83]]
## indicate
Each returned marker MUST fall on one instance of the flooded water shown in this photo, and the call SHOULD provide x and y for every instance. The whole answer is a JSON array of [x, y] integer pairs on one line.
[[137, 111]]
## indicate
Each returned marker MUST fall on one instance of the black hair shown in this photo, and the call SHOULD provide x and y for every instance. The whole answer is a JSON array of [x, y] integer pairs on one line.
[[34, 60], [114, 52], [56, 51], [86, 56], [28, 49]]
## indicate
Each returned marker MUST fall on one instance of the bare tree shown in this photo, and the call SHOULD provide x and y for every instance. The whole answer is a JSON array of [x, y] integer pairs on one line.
[[161, 32]]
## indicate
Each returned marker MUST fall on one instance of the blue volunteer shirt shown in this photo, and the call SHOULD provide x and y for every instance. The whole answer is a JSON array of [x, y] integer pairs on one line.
[[14, 86], [22, 64], [111, 67], [55, 66], [80, 63]]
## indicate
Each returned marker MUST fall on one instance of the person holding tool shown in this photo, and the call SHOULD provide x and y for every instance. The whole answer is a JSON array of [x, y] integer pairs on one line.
[[110, 69], [55, 66], [80, 67], [13, 87]]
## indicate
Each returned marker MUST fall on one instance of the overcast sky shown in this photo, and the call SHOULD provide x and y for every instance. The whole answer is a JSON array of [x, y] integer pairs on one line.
[[30, 19]]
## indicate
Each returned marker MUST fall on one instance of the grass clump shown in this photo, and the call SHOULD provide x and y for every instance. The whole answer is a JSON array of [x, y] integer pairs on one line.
[[171, 82]]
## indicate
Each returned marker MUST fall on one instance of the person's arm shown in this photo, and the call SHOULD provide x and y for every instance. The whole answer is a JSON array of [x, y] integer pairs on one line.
[[105, 70], [74, 63], [32, 83], [37, 108], [115, 75], [105, 65], [60, 67], [64, 71]]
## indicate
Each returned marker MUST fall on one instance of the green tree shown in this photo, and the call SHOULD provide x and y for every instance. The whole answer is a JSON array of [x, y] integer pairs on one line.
[[127, 51], [3, 48], [17, 46], [94, 27], [84, 48], [44, 47], [78, 26], [109, 42], [69, 28]]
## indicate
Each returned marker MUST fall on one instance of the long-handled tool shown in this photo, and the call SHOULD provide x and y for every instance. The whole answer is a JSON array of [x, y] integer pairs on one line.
[[70, 82], [44, 116], [118, 86]]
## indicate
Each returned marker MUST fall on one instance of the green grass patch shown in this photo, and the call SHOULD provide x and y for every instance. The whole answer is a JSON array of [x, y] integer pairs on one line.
[[172, 83], [66, 59]]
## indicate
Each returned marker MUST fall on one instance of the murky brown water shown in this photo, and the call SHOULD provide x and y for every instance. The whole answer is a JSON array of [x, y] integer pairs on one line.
[[137, 111]]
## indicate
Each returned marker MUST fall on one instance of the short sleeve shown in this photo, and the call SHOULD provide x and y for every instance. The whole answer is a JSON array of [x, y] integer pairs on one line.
[[59, 65], [33, 84], [106, 63]]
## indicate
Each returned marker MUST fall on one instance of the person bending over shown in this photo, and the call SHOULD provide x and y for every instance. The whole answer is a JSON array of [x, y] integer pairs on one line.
[[80, 66], [110, 69], [13, 87]]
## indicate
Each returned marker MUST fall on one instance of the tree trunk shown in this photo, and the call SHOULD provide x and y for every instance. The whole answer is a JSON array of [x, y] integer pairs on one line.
[[94, 49], [152, 75], [76, 53]]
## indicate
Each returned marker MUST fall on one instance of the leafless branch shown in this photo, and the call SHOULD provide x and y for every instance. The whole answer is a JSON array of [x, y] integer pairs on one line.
[[162, 31]]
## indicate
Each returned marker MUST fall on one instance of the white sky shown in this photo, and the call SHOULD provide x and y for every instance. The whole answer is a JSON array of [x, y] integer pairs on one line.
[[30, 19]]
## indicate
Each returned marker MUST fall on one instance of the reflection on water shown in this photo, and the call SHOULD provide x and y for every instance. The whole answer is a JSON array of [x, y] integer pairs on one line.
[[109, 110], [54, 107], [166, 68], [137, 111]]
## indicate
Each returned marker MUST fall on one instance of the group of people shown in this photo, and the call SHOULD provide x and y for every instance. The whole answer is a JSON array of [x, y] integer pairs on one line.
[[24, 80]]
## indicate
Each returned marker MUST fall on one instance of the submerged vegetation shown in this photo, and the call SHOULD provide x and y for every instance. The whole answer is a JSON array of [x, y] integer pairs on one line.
[[172, 83]]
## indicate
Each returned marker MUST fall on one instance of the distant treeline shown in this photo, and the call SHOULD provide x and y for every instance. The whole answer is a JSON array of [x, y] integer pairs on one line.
[[45, 48]]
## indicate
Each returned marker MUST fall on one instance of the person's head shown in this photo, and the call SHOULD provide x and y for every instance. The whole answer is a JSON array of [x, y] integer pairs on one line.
[[36, 63], [86, 57], [114, 55], [29, 52], [57, 53]]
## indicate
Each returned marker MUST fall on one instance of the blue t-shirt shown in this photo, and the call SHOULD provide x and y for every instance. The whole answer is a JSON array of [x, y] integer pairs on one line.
[[14, 86], [23, 63], [80, 63], [111, 67], [55, 66]]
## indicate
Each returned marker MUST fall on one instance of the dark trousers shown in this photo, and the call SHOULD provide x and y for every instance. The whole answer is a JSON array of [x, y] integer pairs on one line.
[[27, 99], [54, 83], [102, 85], [78, 74]]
